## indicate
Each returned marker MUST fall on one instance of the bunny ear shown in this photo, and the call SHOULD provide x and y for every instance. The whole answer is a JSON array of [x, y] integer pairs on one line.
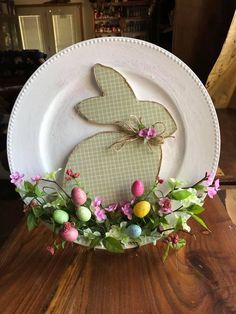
[[116, 93], [118, 103], [111, 82]]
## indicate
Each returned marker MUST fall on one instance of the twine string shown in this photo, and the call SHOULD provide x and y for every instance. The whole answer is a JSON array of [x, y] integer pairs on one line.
[[131, 128]]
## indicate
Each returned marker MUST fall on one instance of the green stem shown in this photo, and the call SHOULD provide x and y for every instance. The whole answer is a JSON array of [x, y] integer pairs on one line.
[[46, 180]]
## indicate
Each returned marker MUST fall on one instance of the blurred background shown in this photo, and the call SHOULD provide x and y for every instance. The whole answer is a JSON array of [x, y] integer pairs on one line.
[[202, 33]]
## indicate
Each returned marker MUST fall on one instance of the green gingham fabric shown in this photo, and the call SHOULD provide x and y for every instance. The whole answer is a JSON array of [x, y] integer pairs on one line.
[[103, 171]]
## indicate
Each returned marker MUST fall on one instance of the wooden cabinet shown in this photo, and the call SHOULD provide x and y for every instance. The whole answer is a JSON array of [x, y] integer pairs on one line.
[[129, 19]]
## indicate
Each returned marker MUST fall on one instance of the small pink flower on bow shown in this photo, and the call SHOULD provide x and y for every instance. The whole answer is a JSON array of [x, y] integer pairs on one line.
[[212, 191], [16, 177], [165, 204], [147, 133]]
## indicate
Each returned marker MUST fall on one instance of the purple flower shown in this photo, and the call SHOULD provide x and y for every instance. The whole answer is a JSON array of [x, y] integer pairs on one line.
[[212, 191], [100, 214], [111, 207], [127, 209], [147, 133], [36, 178], [165, 204], [210, 178], [16, 177], [96, 203]]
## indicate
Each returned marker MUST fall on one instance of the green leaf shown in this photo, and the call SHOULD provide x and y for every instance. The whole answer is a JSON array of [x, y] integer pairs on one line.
[[199, 187], [52, 175], [200, 221], [180, 194], [196, 209], [88, 203], [39, 192], [56, 245], [63, 244], [29, 187], [179, 224], [112, 245], [181, 243], [166, 252], [94, 242], [38, 211], [31, 221], [53, 224]]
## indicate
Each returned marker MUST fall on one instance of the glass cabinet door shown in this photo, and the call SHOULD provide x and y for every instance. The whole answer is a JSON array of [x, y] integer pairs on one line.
[[50, 28], [31, 32], [66, 25]]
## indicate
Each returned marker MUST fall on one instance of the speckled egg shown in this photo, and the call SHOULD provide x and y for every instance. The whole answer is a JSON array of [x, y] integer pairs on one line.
[[133, 231], [69, 233], [141, 209], [78, 196], [83, 213], [137, 188], [60, 216]]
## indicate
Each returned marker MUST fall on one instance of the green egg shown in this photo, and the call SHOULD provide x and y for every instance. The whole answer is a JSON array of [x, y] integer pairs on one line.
[[60, 216], [83, 213]]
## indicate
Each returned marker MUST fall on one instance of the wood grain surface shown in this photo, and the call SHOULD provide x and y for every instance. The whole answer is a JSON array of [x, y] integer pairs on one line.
[[200, 278]]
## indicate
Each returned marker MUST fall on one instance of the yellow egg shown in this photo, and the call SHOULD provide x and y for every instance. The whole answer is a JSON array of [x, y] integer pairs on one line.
[[142, 208]]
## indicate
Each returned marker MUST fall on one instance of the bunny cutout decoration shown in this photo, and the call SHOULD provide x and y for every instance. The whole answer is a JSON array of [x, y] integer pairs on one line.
[[109, 172]]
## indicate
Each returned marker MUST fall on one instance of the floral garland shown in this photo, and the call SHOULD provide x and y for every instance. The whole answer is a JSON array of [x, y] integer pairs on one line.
[[147, 217]]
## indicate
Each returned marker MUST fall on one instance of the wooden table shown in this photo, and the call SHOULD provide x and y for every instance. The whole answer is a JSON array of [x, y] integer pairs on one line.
[[201, 278]]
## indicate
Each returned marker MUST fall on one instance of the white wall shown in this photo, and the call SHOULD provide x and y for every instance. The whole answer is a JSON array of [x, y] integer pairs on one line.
[[86, 9]]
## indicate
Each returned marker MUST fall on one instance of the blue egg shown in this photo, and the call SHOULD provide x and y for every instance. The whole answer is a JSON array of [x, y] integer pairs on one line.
[[134, 231]]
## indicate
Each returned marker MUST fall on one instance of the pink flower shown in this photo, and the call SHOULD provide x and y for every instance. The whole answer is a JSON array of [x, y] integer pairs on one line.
[[100, 214], [210, 178], [51, 250], [36, 178], [165, 204], [174, 239], [159, 180], [69, 172], [147, 133], [96, 203], [127, 209], [212, 191], [111, 207], [16, 177], [72, 174]]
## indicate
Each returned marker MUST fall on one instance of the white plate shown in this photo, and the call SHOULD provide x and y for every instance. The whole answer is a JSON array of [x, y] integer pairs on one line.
[[44, 127]]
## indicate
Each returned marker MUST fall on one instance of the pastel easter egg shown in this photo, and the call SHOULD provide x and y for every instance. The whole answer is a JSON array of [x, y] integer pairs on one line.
[[78, 196], [69, 234], [137, 188], [83, 213], [60, 216], [133, 231], [141, 209]]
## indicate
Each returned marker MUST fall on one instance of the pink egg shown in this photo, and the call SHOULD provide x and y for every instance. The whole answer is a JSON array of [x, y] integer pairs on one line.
[[68, 232], [137, 188], [78, 196]]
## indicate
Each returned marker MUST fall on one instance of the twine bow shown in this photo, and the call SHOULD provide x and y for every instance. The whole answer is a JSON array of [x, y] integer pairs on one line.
[[134, 130]]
